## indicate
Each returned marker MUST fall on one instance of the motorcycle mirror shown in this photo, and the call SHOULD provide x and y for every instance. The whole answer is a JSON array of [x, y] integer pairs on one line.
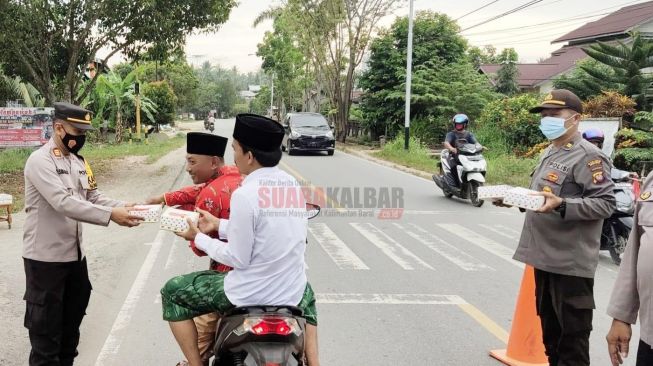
[[312, 210]]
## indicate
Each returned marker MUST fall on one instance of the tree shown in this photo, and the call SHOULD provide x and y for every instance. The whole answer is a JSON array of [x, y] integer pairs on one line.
[[626, 62], [508, 73], [52, 41], [583, 84], [161, 93], [179, 75], [436, 43], [285, 62], [486, 55], [336, 35], [113, 99]]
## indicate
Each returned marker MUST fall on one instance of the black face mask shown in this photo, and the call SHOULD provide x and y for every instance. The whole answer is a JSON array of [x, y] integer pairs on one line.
[[79, 142]]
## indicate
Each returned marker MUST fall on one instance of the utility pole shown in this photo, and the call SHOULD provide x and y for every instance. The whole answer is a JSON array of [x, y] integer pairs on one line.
[[409, 76], [138, 111], [272, 98]]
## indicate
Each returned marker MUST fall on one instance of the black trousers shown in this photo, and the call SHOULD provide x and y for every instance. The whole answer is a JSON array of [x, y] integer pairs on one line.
[[57, 295], [565, 305], [644, 354]]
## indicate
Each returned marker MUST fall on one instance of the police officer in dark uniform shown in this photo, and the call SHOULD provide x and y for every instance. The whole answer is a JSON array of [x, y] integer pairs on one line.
[[60, 194], [561, 240]]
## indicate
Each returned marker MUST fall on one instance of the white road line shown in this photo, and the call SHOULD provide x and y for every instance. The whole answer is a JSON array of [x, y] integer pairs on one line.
[[390, 299], [427, 213], [498, 231], [339, 252], [395, 251], [114, 339], [509, 230], [173, 253], [448, 251], [482, 242]]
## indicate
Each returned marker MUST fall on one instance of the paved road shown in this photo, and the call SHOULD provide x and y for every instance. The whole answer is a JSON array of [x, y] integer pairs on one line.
[[436, 287]]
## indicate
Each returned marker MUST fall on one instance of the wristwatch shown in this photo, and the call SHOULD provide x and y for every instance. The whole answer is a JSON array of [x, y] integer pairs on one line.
[[562, 208]]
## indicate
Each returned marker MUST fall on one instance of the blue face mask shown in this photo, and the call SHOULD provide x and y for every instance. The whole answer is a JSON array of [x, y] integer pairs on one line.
[[553, 127]]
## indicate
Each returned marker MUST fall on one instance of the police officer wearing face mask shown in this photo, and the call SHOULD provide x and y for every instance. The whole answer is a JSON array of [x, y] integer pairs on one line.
[[60, 194], [561, 240]]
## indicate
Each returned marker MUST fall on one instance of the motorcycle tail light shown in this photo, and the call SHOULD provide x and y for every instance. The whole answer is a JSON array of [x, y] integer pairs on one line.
[[269, 325]]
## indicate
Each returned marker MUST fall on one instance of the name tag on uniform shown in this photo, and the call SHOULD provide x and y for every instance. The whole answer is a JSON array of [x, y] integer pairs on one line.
[[84, 182], [560, 167]]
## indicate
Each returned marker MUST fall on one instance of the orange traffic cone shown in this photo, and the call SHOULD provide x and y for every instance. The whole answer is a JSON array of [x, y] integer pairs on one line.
[[525, 347]]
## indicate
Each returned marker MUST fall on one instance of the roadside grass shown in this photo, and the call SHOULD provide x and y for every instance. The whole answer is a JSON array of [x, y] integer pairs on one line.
[[100, 156], [417, 157], [503, 168]]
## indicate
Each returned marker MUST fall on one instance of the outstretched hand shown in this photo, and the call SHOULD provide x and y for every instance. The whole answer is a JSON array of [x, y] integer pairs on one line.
[[208, 223], [192, 231]]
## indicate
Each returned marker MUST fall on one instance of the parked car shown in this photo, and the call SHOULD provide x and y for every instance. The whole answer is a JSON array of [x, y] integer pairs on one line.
[[308, 132]]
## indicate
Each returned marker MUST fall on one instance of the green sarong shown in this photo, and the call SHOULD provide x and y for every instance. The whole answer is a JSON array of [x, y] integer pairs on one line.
[[188, 296]]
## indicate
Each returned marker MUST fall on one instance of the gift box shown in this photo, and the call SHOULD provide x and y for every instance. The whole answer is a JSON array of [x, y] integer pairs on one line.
[[174, 219], [149, 213], [6, 199], [521, 197], [493, 193]]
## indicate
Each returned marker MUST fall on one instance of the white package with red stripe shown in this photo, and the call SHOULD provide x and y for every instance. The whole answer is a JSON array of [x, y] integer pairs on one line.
[[522, 197], [174, 219], [149, 213]]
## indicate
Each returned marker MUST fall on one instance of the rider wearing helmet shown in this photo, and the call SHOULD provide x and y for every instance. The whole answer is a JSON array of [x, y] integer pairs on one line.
[[595, 136], [455, 137]]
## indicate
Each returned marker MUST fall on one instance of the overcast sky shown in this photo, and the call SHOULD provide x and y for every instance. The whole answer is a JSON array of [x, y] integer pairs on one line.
[[237, 39]]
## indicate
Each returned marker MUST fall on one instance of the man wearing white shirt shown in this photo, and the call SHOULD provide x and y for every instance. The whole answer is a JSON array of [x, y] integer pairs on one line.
[[267, 240]]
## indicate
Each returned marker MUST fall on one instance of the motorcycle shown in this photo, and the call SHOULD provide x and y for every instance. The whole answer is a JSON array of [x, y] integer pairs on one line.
[[211, 127], [262, 335], [616, 228], [468, 176]]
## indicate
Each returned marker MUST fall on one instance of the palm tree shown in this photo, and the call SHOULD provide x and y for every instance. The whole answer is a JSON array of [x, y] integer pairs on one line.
[[271, 14], [14, 88], [627, 61], [115, 95]]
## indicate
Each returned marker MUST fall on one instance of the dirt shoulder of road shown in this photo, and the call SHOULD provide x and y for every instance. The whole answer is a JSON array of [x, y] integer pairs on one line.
[[367, 152]]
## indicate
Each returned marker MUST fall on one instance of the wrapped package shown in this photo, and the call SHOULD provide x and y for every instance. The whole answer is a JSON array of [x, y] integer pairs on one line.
[[522, 197], [174, 219], [6, 199], [493, 193], [149, 213]]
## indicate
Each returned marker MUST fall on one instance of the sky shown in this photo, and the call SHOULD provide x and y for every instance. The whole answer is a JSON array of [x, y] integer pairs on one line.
[[235, 43]]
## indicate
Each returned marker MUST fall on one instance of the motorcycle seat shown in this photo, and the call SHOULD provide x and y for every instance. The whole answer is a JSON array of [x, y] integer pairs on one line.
[[266, 310]]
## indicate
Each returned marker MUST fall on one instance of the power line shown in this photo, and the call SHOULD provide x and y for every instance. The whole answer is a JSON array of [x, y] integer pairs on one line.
[[588, 26], [475, 10], [576, 17], [511, 11]]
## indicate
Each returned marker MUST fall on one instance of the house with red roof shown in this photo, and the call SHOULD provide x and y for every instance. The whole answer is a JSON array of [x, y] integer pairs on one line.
[[615, 26]]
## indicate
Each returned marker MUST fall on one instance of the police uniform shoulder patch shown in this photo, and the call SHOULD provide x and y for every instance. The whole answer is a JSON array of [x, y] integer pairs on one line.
[[598, 177], [595, 165], [645, 196], [56, 152]]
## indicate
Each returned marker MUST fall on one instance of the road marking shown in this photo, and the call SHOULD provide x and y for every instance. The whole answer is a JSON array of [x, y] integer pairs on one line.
[[389, 299], [448, 251], [395, 251], [482, 242], [485, 321], [509, 230], [497, 231], [112, 343], [173, 253], [339, 252], [416, 299], [333, 204], [427, 212]]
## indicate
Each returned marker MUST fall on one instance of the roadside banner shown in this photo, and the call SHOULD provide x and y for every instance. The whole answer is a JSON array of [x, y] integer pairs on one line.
[[25, 126]]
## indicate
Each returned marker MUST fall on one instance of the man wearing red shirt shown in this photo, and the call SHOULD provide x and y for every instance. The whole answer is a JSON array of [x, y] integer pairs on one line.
[[213, 184]]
